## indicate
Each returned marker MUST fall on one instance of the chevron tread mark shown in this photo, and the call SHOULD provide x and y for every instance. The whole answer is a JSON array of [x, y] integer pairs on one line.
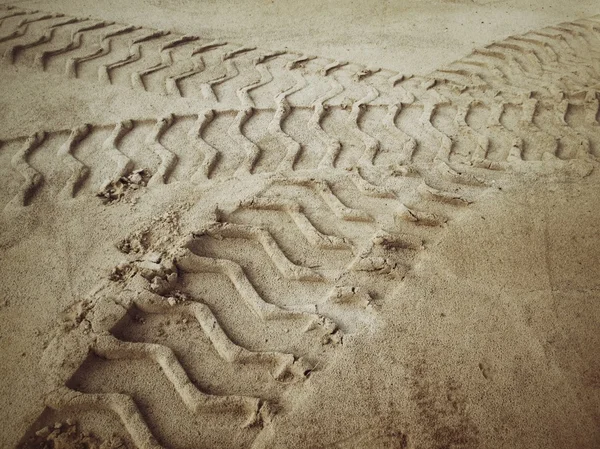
[[355, 170]]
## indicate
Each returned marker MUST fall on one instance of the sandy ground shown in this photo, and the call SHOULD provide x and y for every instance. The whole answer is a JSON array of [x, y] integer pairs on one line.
[[489, 340], [410, 36]]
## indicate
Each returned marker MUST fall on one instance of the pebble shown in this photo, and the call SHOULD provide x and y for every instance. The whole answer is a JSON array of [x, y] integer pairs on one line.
[[43, 432]]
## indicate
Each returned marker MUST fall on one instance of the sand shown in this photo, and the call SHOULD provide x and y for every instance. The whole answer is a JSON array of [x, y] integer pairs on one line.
[[342, 238]]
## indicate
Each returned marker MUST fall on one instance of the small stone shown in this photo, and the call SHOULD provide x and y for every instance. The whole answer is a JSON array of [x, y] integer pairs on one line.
[[169, 265], [158, 285], [154, 257], [43, 432], [149, 267], [136, 178], [172, 301]]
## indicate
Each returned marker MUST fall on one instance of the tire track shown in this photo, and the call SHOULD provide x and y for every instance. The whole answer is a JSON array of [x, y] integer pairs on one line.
[[311, 248]]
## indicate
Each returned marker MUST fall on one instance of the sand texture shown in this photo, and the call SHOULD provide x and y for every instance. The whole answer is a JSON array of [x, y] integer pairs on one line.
[[223, 226]]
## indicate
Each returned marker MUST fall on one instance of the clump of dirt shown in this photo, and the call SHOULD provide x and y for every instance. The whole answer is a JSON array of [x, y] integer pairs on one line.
[[158, 236], [150, 254], [156, 268], [74, 314], [67, 435], [118, 190]]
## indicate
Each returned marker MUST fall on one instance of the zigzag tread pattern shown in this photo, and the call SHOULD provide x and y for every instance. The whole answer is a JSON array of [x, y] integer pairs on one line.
[[515, 105], [331, 257], [559, 58], [351, 193]]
